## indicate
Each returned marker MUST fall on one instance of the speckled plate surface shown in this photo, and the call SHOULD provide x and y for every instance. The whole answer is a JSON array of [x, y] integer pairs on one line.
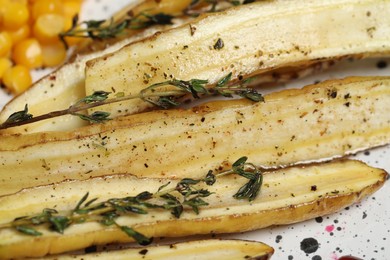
[[362, 230]]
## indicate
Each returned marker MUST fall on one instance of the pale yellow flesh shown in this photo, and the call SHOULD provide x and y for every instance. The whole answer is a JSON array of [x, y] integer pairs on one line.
[[285, 34], [287, 196], [171, 7], [203, 249], [257, 37], [62, 88], [66, 85], [330, 119]]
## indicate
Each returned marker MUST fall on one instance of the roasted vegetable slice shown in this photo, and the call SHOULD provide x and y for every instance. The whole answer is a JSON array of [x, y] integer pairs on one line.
[[246, 40], [287, 195], [65, 86], [284, 38], [202, 249], [330, 119], [133, 10]]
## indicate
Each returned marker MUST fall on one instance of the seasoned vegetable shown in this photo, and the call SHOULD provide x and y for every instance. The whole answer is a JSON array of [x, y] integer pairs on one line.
[[245, 40], [330, 119], [249, 47], [288, 195], [64, 86], [202, 249]]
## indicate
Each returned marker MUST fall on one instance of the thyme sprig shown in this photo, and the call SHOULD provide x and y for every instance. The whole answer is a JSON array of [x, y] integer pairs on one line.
[[105, 29], [186, 194], [157, 94]]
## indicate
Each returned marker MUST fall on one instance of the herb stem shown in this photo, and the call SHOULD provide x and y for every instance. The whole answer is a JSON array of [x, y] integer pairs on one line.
[[153, 94], [74, 109]]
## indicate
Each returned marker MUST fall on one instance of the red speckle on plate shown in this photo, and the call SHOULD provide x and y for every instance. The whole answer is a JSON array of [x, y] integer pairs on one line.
[[329, 228]]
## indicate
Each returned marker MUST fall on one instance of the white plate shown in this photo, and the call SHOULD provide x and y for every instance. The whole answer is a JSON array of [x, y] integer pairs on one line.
[[362, 230]]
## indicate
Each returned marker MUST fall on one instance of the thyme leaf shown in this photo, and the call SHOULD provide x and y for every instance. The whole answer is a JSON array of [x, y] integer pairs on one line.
[[163, 186], [251, 94], [195, 203], [95, 97], [144, 20], [173, 204], [210, 178], [59, 223], [19, 116], [251, 189], [240, 162], [138, 237], [43, 217], [28, 231], [95, 117], [82, 200], [222, 82], [109, 218], [167, 102]]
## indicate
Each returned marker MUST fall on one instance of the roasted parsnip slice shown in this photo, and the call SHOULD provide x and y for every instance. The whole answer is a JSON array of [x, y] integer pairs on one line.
[[202, 249], [329, 119], [62, 88], [65, 86], [287, 195], [246, 40], [150, 7]]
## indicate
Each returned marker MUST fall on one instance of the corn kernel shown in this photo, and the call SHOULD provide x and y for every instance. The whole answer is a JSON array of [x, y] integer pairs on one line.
[[41, 7], [71, 8], [47, 28], [3, 7], [5, 43], [24, 2], [17, 79], [5, 64], [15, 15], [20, 34], [28, 52]]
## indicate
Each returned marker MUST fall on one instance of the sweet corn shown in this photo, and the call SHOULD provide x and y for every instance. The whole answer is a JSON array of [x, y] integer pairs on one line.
[[28, 52], [5, 64], [71, 7], [47, 27], [17, 79], [5, 43], [15, 15], [20, 34], [47, 7], [29, 32]]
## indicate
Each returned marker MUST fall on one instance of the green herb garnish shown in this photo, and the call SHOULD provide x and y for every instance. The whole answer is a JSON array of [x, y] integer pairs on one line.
[[186, 194], [153, 94], [103, 29]]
